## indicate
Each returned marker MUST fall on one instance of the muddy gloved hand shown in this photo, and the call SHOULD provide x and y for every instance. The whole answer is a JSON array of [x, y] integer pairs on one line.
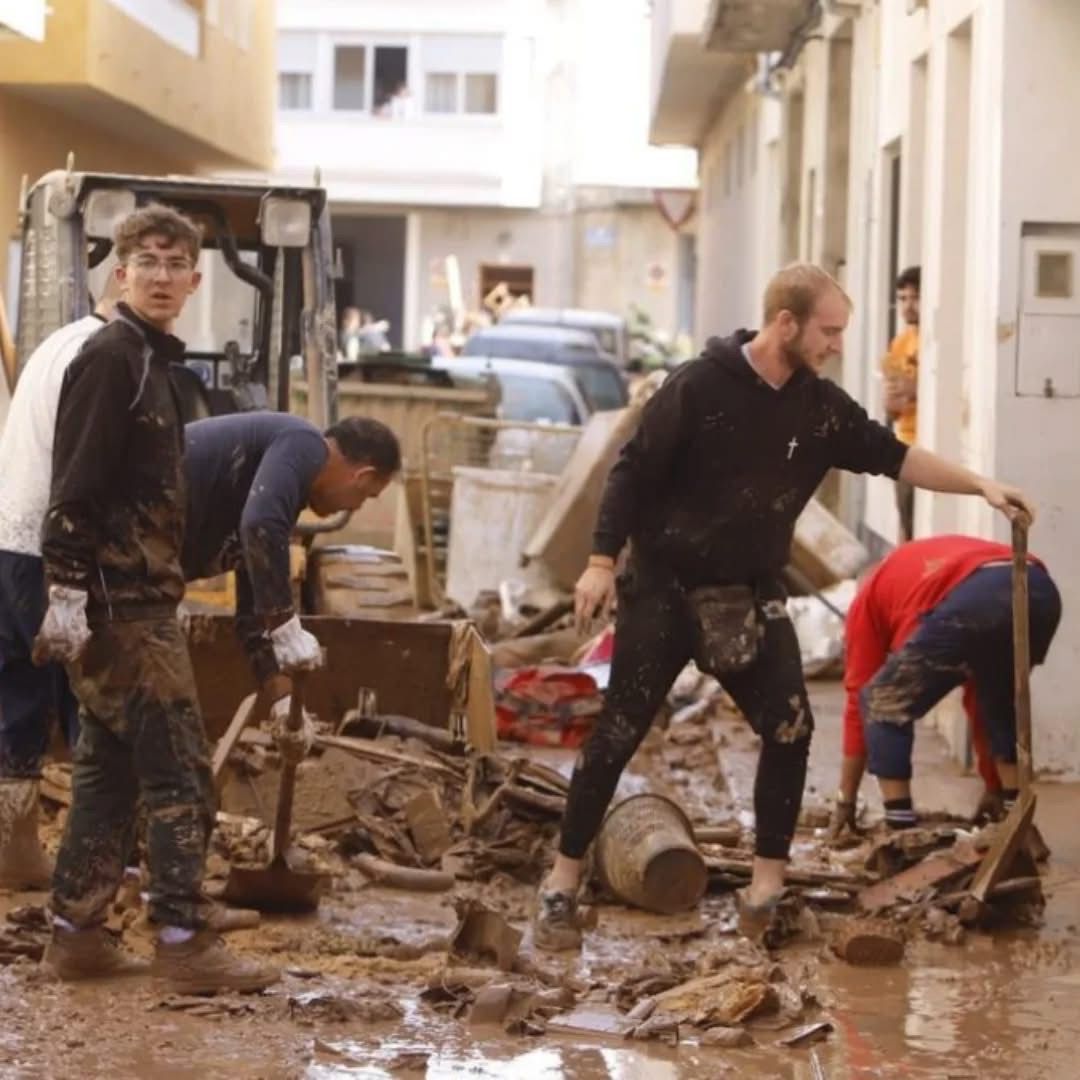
[[294, 648], [842, 820], [64, 632], [293, 746]]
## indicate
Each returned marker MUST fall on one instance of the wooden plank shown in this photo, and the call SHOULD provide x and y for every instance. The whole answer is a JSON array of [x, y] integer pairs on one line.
[[934, 870], [1008, 839], [229, 739], [372, 750]]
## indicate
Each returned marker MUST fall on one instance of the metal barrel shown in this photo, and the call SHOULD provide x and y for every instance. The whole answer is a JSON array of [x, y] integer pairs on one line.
[[647, 856]]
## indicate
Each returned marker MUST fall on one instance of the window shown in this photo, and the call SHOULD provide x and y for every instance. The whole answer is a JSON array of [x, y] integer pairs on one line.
[[294, 90], [1054, 275], [350, 70], [481, 92], [440, 92], [391, 76], [461, 74], [296, 69], [526, 398]]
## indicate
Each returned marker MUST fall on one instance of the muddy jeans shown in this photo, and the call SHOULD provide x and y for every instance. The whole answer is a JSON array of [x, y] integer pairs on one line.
[[653, 642], [967, 636], [30, 696], [142, 736]]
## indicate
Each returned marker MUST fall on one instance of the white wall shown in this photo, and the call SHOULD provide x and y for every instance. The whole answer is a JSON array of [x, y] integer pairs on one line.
[[739, 205], [1037, 440], [421, 159], [610, 48]]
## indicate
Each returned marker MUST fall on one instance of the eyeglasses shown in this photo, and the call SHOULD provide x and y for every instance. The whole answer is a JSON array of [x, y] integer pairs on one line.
[[149, 266]]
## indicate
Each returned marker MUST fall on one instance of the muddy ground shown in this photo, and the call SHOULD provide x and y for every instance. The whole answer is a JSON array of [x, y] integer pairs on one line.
[[1006, 1005]]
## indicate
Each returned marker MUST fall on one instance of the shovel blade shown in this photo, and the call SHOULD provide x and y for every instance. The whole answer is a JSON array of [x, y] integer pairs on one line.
[[275, 888]]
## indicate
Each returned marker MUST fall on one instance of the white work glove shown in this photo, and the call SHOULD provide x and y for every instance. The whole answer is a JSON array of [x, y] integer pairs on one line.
[[64, 631], [294, 648], [293, 746]]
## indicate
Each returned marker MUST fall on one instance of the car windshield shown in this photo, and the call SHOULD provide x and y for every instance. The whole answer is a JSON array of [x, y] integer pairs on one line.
[[528, 398], [510, 347], [602, 385], [608, 339]]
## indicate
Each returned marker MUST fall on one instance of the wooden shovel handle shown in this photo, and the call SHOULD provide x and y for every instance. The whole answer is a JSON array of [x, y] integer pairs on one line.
[[287, 782], [1021, 650]]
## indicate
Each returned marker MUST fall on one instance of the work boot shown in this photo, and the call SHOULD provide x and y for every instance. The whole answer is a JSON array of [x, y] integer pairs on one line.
[[93, 953], [555, 924], [23, 862], [202, 965]]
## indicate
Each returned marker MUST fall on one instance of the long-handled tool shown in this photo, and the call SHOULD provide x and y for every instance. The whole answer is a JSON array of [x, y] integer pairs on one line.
[[1014, 829], [280, 887]]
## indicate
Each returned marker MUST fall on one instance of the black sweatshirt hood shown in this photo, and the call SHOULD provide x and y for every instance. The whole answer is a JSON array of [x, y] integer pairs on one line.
[[728, 351]]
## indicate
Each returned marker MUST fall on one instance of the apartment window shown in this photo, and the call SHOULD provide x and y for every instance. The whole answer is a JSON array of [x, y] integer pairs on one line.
[[461, 74], [296, 70], [481, 94], [350, 77], [441, 92], [391, 76], [294, 90]]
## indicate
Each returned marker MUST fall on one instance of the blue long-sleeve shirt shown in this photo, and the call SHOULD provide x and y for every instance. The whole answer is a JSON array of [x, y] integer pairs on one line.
[[248, 479]]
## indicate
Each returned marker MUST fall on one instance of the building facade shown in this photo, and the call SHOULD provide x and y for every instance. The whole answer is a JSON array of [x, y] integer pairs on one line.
[[484, 131], [890, 133], [129, 86]]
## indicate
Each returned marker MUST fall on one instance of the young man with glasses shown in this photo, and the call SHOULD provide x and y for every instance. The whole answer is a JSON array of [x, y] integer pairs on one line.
[[112, 546]]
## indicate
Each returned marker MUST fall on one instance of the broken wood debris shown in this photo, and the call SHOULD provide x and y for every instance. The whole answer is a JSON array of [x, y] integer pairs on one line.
[[483, 936], [403, 877]]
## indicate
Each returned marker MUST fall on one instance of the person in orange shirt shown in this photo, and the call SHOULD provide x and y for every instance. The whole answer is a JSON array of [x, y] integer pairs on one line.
[[900, 369]]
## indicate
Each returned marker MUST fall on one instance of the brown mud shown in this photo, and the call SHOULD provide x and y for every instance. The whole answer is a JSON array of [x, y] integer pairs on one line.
[[369, 985]]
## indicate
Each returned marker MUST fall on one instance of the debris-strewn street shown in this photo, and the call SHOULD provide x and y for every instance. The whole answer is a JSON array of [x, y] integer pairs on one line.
[[385, 981]]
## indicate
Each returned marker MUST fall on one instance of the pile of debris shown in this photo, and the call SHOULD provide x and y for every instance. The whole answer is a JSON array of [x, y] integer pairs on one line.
[[947, 878]]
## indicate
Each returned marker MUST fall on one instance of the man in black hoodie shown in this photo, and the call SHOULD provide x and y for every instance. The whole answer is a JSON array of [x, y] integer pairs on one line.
[[728, 453]]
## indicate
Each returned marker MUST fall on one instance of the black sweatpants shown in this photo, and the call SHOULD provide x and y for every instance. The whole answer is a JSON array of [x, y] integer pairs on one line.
[[653, 642]]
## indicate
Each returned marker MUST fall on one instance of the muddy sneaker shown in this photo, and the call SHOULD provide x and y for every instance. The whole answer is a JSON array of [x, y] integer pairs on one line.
[[94, 953], [555, 925], [202, 965], [756, 920]]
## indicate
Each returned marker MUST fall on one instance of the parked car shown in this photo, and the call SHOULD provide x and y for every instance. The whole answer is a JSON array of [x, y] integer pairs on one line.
[[596, 371], [610, 331], [531, 390]]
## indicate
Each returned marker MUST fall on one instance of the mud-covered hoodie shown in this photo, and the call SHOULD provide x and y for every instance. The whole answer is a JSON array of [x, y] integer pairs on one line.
[[115, 524], [723, 464]]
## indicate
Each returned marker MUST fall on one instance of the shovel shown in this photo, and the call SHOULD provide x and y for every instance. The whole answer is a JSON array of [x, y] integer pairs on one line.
[[1013, 831], [279, 887]]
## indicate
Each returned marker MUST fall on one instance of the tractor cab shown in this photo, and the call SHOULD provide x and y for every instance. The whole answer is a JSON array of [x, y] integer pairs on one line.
[[264, 309]]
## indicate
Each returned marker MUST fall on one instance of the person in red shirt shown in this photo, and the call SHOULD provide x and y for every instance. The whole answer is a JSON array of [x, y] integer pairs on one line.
[[933, 615]]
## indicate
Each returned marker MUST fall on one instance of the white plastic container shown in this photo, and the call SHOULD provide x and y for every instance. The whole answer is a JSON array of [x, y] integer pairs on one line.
[[493, 513]]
